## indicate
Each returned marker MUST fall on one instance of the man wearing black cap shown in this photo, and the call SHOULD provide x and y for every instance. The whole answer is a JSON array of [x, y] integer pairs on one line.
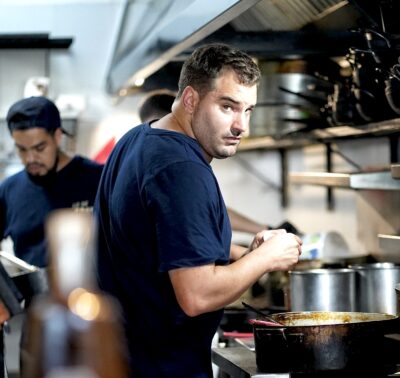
[[51, 179]]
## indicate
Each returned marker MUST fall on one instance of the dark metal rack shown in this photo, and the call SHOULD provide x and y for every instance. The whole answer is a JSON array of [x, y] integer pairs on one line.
[[327, 136]]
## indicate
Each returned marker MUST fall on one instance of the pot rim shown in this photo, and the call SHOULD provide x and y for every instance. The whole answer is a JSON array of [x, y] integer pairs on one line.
[[376, 266], [302, 316], [323, 271]]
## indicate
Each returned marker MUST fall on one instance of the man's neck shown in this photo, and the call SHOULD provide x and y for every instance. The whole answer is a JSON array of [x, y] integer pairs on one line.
[[63, 160], [173, 122]]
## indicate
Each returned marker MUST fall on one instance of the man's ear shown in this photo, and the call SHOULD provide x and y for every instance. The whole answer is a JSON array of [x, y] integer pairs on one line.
[[58, 136], [190, 99]]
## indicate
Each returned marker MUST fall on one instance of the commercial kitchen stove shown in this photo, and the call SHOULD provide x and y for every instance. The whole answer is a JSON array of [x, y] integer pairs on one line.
[[238, 361]]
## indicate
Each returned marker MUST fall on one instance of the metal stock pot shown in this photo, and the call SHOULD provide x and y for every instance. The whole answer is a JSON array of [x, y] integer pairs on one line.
[[376, 287], [323, 290], [323, 341]]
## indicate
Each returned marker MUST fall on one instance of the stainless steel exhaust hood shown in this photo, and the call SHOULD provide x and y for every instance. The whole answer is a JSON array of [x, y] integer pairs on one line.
[[153, 33]]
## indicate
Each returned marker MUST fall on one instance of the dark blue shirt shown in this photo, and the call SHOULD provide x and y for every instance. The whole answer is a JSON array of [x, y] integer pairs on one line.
[[25, 205], [159, 207]]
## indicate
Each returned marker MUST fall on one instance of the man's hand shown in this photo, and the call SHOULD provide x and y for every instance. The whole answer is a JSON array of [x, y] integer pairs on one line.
[[281, 250], [262, 236]]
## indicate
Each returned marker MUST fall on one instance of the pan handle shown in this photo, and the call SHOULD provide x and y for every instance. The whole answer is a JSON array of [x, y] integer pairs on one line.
[[266, 318], [265, 323], [18, 262]]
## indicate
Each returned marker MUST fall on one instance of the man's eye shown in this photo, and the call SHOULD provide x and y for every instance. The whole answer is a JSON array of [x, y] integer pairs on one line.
[[227, 107], [40, 148]]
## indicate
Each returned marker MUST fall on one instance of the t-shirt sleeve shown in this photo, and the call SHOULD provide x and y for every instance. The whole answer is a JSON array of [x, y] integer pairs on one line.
[[189, 214]]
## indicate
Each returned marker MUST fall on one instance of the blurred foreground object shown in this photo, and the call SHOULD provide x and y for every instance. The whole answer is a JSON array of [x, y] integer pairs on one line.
[[74, 330]]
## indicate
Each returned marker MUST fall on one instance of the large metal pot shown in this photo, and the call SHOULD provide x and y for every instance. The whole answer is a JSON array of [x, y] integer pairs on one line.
[[375, 285], [397, 288], [323, 341], [323, 290], [288, 102]]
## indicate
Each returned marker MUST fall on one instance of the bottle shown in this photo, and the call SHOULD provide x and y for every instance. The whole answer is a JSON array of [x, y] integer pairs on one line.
[[74, 330]]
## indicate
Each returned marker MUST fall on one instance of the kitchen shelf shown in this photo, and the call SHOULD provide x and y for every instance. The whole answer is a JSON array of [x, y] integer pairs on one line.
[[377, 129], [326, 135], [271, 143], [370, 180], [338, 180], [33, 41], [390, 244], [395, 169]]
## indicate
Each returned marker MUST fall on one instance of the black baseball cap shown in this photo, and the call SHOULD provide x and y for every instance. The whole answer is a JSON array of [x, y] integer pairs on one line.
[[32, 112]]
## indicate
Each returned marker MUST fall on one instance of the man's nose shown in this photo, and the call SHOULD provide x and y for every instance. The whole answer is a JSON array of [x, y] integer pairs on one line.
[[30, 156], [240, 124]]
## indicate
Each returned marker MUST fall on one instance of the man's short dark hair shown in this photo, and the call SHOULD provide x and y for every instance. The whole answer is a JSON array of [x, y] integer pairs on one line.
[[206, 62], [156, 105]]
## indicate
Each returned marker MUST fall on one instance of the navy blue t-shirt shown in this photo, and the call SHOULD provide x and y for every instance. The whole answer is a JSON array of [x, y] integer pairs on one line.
[[25, 205], [159, 207]]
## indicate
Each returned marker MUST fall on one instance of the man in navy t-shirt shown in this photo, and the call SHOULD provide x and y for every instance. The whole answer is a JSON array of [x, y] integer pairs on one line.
[[156, 105], [164, 234], [51, 179]]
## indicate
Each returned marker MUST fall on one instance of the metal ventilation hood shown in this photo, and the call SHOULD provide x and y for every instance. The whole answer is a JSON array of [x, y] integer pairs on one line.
[[155, 33]]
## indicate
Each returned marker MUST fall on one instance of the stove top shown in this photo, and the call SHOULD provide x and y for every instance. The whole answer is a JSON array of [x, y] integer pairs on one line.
[[391, 368]]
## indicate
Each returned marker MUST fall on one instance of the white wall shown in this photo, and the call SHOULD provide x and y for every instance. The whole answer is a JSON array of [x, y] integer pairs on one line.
[[79, 70]]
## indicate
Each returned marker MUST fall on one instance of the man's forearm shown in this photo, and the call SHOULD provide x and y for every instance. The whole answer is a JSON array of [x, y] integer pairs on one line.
[[237, 251]]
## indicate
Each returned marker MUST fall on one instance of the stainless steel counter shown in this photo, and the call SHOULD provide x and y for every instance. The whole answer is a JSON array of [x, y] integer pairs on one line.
[[239, 362]]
